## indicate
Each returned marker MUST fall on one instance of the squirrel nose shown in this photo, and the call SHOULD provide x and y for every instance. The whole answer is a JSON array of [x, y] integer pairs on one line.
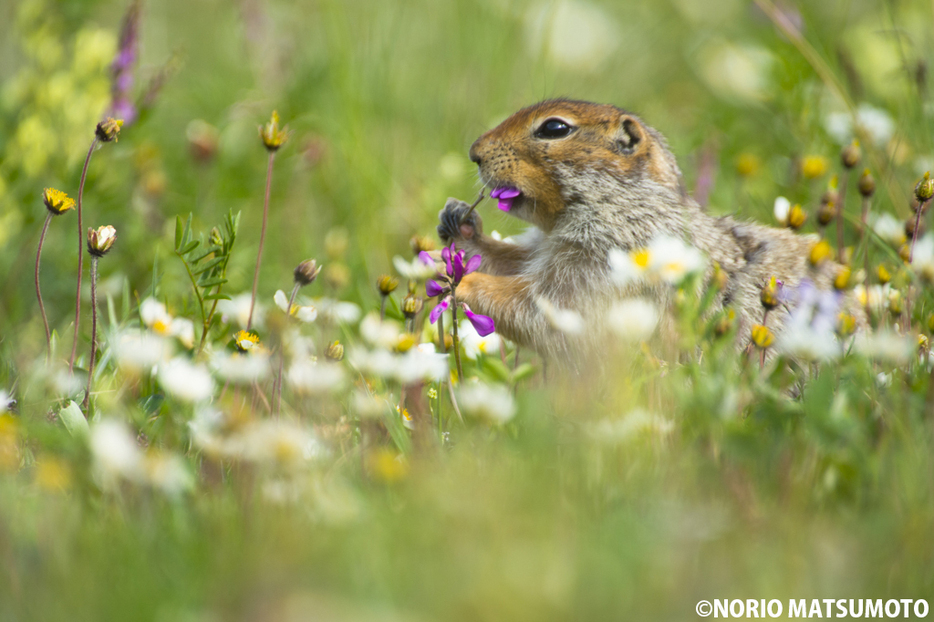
[[475, 154]]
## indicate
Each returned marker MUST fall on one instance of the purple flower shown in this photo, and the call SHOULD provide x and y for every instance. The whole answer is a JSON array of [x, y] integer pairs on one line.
[[440, 308], [505, 197], [123, 66], [481, 323], [432, 288]]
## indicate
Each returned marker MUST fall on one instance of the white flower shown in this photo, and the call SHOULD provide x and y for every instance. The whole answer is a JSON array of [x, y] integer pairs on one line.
[[186, 381], [237, 311], [566, 320], [666, 259], [116, 454], [873, 122], [633, 319], [241, 368], [184, 330], [154, 316], [380, 333], [923, 259], [492, 403], [475, 345], [806, 343], [139, 351], [630, 427], [305, 313], [496, 235], [6, 401], [278, 443], [167, 472], [337, 310], [415, 270], [422, 363], [889, 228], [782, 208], [306, 376], [886, 345]]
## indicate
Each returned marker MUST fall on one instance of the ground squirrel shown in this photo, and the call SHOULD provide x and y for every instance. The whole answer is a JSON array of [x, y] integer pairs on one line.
[[591, 178]]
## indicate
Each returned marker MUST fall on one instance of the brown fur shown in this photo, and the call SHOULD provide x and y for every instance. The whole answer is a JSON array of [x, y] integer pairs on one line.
[[612, 183]]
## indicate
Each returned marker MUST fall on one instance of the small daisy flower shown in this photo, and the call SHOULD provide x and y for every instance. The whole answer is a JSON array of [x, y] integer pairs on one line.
[[304, 313], [633, 319], [246, 341], [491, 403], [185, 380]]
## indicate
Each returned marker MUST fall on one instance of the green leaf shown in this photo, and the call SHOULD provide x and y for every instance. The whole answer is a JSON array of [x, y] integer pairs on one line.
[[210, 264], [495, 367], [212, 282], [74, 420], [111, 311], [217, 297], [526, 370], [178, 232], [205, 252], [190, 247]]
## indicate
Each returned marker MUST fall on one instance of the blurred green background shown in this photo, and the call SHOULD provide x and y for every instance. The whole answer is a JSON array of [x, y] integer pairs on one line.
[[383, 100]]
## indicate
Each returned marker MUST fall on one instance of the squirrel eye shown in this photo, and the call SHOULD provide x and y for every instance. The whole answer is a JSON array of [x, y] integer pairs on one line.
[[553, 128]]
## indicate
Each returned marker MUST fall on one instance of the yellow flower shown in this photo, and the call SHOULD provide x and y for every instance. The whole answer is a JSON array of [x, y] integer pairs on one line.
[[820, 253], [884, 276], [796, 217], [273, 137], [57, 201], [813, 166], [762, 336], [387, 465], [386, 284], [842, 280], [748, 164], [846, 324], [769, 294], [52, 474], [246, 341]]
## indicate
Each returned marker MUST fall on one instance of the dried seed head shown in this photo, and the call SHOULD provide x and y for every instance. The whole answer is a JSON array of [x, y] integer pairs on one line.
[[851, 155], [108, 129], [306, 272], [335, 351], [866, 185], [386, 284], [56, 201], [101, 240]]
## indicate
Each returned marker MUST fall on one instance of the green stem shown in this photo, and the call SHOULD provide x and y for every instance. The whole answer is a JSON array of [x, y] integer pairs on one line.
[[262, 237], [81, 234], [457, 349], [841, 251], [194, 285], [45, 319], [87, 394], [278, 382]]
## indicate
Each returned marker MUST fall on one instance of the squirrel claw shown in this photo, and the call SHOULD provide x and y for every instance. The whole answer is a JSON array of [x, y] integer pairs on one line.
[[455, 224]]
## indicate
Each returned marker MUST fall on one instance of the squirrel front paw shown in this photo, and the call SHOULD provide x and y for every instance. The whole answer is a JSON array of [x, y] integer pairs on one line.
[[454, 226]]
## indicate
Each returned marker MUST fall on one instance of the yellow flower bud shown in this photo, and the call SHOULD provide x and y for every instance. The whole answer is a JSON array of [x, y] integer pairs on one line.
[[842, 279], [925, 188], [867, 185], [820, 252], [386, 284], [846, 324], [769, 294], [850, 155], [421, 243], [748, 164], [273, 137], [813, 166], [762, 336], [335, 351], [883, 274], [108, 129], [796, 217]]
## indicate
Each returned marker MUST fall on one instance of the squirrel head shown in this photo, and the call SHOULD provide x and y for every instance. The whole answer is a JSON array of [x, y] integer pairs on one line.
[[561, 152]]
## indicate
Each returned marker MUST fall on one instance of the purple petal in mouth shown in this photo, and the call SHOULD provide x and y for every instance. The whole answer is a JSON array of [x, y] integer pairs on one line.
[[505, 196]]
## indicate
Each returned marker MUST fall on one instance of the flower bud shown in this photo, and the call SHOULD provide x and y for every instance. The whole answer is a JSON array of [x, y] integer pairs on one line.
[[796, 217], [904, 252], [820, 253], [828, 209], [421, 243], [769, 296], [100, 240], [273, 137], [386, 284], [216, 239], [846, 324], [895, 302], [108, 129], [307, 272], [842, 280], [335, 351], [925, 188], [923, 343], [813, 167], [411, 305], [867, 184], [56, 201], [883, 274], [850, 155], [748, 164], [724, 323], [762, 336]]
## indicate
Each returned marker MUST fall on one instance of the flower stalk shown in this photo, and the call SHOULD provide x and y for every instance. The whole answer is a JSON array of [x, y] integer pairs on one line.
[[45, 319], [87, 394], [84, 176], [278, 382]]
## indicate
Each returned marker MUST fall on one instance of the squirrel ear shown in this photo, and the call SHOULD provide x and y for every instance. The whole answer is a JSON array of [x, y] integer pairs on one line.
[[630, 136]]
